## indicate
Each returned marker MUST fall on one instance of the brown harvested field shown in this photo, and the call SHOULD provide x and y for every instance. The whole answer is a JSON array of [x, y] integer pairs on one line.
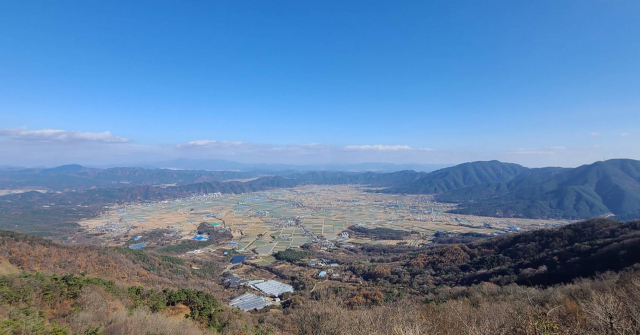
[[275, 220]]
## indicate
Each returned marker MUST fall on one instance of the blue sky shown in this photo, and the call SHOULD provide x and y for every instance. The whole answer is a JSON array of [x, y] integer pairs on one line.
[[532, 82]]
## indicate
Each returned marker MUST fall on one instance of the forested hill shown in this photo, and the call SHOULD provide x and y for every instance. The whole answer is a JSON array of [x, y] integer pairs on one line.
[[611, 186], [437, 182], [461, 176], [537, 258], [505, 285], [32, 254]]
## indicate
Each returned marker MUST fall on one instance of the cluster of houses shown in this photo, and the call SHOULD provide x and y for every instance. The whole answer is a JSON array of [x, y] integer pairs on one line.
[[113, 227], [326, 244], [332, 272], [510, 228], [335, 274], [322, 262]]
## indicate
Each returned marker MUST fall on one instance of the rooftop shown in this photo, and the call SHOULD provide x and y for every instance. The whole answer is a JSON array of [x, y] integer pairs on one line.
[[249, 301], [272, 287], [235, 281]]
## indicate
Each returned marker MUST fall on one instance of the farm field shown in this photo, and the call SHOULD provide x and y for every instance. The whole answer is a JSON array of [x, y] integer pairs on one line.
[[275, 220]]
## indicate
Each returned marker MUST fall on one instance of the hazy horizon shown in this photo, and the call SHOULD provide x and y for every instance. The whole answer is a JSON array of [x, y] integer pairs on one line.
[[200, 164]]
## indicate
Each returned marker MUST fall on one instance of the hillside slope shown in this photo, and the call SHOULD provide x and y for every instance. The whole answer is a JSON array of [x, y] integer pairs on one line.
[[543, 257], [611, 186], [88, 290], [33, 254], [461, 176]]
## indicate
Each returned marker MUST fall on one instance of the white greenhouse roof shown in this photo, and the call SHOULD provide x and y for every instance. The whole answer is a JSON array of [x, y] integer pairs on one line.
[[273, 288], [248, 301]]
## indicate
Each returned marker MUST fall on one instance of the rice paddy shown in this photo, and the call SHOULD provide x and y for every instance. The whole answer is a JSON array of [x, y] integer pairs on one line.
[[275, 220]]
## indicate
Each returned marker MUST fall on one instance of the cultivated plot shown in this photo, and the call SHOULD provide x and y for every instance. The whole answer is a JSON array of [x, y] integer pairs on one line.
[[275, 220]]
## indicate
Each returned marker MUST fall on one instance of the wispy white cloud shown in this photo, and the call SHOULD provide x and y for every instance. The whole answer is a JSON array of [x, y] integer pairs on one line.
[[302, 149], [54, 146], [59, 135], [305, 153], [536, 151], [214, 144], [595, 134], [297, 148], [382, 147]]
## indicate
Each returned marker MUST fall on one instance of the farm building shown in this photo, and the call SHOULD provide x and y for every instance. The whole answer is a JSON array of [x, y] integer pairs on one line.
[[249, 301], [235, 281], [271, 287]]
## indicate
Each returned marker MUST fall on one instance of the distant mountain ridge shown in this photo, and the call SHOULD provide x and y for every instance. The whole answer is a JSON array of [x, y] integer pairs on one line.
[[77, 177], [609, 187], [487, 188], [179, 172], [221, 164]]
